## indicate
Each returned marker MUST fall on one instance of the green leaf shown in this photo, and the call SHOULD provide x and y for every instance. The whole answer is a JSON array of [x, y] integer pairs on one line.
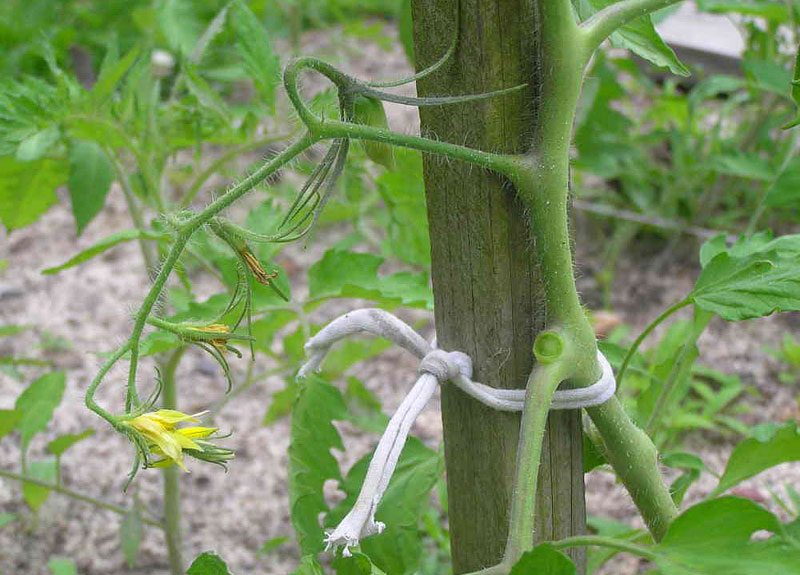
[[281, 405], [795, 91], [785, 190], [692, 466], [111, 73], [311, 462], [159, 341], [180, 23], [309, 566], [403, 194], [768, 75], [63, 442], [343, 273], [37, 403], [62, 566], [357, 564], [28, 189], [748, 166], [9, 418], [640, 37], [715, 537], [399, 548], [766, 9], [272, 544], [131, 531], [255, 48], [753, 278], [208, 563], [6, 518], [38, 144], [405, 28], [104, 245], [543, 560], [754, 455], [90, 178], [264, 329], [44, 470]]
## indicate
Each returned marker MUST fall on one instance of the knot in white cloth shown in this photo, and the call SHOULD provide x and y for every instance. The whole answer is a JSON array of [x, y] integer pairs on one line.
[[446, 365]]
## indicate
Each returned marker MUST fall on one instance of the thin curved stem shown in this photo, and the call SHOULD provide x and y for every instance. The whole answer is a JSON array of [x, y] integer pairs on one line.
[[101, 373], [76, 495], [605, 22], [423, 73], [642, 336], [435, 100], [609, 542], [501, 163], [332, 129]]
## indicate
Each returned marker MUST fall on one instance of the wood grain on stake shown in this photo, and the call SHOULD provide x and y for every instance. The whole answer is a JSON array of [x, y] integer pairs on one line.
[[487, 292]]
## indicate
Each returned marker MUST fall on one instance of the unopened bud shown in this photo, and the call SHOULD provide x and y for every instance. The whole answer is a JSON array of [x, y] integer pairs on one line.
[[370, 112]]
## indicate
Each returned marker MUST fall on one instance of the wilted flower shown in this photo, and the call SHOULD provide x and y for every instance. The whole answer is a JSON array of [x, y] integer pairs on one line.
[[256, 268]]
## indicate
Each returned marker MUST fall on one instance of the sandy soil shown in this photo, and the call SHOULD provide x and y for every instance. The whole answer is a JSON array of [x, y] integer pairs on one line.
[[237, 512]]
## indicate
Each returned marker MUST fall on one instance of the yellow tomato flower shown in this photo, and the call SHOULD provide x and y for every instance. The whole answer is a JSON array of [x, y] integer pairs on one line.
[[158, 428]]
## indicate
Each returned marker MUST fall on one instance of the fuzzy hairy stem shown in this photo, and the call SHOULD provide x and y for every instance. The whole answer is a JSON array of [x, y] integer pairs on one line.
[[609, 542], [635, 460], [542, 382]]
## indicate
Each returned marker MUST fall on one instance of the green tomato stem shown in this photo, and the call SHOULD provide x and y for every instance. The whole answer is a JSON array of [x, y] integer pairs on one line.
[[642, 336], [609, 542], [542, 382], [635, 460]]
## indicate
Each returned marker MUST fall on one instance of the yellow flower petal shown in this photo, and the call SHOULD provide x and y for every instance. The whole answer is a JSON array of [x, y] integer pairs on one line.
[[170, 417], [184, 442], [197, 432]]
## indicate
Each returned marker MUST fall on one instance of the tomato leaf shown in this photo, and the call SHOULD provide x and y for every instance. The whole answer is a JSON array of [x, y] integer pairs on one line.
[[104, 245], [28, 189], [773, 446], [37, 403], [90, 178], [208, 563], [311, 462]]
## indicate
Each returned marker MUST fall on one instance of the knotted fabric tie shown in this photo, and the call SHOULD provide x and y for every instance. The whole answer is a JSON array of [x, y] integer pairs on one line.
[[436, 367]]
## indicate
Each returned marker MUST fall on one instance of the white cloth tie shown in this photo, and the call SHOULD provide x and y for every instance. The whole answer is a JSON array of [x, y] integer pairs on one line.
[[435, 368]]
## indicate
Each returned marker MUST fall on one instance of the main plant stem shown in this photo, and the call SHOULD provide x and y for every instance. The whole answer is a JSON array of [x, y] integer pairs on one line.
[[542, 181]]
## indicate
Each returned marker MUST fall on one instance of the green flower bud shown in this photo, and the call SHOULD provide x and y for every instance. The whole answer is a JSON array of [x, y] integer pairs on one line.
[[370, 112]]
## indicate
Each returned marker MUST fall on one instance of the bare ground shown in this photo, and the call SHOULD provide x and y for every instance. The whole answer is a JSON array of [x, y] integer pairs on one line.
[[237, 512]]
